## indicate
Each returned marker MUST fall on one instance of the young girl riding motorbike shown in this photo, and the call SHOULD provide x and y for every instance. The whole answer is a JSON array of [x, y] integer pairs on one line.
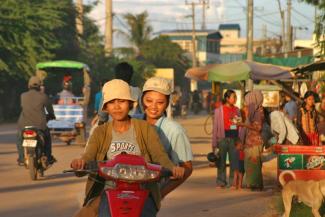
[[122, 134]]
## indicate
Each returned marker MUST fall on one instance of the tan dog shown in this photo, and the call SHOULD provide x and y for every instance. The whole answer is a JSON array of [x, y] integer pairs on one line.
[[311, 193]]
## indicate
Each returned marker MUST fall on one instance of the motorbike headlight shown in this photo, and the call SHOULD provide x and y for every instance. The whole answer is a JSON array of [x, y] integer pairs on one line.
[[130, 173]]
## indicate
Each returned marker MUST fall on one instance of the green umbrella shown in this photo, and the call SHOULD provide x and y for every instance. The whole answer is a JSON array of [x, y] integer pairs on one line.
[[236, 71]]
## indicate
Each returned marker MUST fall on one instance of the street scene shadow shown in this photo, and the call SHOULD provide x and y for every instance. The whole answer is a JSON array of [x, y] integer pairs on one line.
[[43, 185]]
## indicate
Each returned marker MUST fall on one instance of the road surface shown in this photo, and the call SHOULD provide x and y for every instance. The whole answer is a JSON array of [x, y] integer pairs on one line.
[[59, 194]]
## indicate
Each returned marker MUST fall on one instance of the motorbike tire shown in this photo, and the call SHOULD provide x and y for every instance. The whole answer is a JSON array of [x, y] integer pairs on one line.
[[32, 167]]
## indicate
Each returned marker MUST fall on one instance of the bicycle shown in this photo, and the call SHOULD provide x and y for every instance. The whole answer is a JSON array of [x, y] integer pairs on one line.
[[208, 124]]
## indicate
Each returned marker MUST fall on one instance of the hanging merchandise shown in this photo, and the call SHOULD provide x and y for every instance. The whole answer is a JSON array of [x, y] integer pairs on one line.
[[303, 89], [295, 86]]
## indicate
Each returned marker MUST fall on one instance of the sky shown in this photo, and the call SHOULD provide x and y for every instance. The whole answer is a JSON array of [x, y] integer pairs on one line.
[[173, 14]]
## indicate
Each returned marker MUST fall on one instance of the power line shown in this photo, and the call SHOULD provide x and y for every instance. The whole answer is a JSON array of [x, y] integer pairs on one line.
[[148, 3], [163, 4], [173, 21], [239, 3], [121, 22], [301, 14]]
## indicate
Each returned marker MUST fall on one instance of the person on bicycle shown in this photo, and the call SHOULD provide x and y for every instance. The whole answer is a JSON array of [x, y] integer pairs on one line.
[[35, 104], [155, 101], [138, 137]]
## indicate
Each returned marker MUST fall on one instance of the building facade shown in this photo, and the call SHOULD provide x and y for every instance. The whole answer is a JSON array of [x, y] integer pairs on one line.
[[207, 43]]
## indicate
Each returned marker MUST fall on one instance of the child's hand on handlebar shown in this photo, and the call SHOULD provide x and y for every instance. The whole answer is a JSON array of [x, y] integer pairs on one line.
[[178, 172], [77, 164]]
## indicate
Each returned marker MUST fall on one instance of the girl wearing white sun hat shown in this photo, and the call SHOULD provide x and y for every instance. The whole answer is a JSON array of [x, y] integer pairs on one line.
[[104, 144]]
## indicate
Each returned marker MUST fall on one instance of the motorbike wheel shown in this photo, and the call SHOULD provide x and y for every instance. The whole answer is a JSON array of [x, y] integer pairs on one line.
[[32, 168]]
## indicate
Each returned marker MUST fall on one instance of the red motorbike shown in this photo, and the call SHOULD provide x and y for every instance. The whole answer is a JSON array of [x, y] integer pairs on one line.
[[129, 173]]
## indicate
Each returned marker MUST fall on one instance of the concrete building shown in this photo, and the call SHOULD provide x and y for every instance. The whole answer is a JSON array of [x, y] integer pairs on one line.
[[207, 43], [233, 46], [307, 44], [229, 31]]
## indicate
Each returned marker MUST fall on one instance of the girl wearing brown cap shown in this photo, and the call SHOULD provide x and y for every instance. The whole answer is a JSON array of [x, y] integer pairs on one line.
[[139, 138]]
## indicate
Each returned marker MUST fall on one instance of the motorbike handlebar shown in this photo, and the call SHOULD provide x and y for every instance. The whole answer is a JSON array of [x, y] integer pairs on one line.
[[165, 173], [90, 167], [50, 117]]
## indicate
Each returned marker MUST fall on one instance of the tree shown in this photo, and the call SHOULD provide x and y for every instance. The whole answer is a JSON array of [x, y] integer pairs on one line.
[[29, 31], [163, 53], [139, 29], [320, 24]]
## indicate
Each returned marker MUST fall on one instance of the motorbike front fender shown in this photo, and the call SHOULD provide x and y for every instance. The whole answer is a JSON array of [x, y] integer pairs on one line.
[[126, 203]]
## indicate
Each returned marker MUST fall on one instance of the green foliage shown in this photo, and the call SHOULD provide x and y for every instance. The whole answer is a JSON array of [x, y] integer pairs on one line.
[[29, 33], [93, 53], [142, 71], [163, 53], [139, 29], [320, 24], [159, 52]]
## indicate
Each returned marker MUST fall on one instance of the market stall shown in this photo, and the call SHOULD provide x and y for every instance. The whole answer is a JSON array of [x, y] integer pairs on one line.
[[301, 162], [295, 161]]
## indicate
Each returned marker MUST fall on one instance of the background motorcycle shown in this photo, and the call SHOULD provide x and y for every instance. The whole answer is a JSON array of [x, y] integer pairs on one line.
[[34, 151], [129, 173]]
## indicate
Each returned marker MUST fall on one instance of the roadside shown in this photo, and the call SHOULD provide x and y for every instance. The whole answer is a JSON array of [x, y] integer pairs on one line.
[[198, 195]]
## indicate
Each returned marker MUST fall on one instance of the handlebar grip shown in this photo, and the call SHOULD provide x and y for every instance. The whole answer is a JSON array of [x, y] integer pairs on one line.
[[69, 171], [165, 173], [91, 165], [78, 173]]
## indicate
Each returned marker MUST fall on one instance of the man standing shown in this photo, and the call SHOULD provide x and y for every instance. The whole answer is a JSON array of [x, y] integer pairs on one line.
[[35, 104], [290, 108]]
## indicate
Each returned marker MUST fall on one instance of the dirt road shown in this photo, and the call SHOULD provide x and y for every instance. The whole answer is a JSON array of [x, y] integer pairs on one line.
[[59, 194]]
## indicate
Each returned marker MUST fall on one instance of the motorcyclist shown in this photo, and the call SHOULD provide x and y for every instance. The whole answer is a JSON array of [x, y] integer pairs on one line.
[[137, 137], [35, 104]]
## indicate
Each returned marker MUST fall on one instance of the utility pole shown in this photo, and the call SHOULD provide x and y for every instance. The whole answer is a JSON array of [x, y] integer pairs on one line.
[[250, 30], [79, 18], [283, 37], [108, 27], [193, 33], [250, 37], [193, 82], [289, 28], [264, 45], [205, 5]]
